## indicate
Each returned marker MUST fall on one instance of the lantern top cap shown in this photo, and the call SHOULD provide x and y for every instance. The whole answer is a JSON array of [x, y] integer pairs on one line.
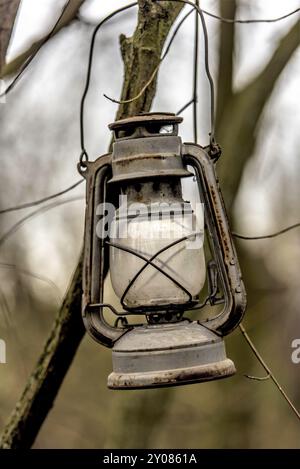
[[147, 117]]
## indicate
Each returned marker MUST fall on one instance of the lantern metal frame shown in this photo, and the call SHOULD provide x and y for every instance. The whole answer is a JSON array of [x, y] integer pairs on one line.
[[97, 175]]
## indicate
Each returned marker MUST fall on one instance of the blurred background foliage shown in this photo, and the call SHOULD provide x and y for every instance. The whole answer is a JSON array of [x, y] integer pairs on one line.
[[256, 68]]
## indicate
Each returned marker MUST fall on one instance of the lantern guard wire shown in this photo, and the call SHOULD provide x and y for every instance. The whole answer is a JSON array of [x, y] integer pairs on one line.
[[191, 305], [150, 262]]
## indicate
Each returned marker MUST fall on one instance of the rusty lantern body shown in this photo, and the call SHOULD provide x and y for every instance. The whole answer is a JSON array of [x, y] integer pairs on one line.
[[156, 270]]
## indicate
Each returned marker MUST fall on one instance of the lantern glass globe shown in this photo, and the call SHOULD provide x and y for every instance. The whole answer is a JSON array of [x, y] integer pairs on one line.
[[148, 229]]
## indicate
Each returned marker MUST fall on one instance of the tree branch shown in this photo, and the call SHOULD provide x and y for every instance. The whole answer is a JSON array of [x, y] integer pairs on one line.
[[69, 14], [226, 56], [141, 54], [237, 130], [8, 12], [47, 377]]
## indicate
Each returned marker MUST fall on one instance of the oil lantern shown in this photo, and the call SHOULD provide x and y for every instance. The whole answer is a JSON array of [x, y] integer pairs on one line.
[[169, 260]]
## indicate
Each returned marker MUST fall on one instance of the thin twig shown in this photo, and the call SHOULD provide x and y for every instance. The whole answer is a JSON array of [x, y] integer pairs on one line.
[[30, 59], [183, 108], [10, 322], [212, 15], [267, 369], [73, 186], [39, 211], [7, 316], [29, 273], [230, 20], [268, 236], [258, 378], [142, 91], [206, 51], [200, 12], [40, 201]]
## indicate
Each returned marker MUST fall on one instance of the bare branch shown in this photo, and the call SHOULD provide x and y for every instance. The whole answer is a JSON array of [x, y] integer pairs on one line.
[[237, 130], [269, 372], [69, 14], [8, 12], [142, 91], [141, 54], [226, 54]]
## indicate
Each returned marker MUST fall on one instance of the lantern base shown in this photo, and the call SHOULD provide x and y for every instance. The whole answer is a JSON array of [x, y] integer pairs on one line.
[[164, 355]]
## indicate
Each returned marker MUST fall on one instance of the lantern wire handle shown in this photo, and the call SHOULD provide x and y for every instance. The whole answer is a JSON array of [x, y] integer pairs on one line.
[[212, 15], [199, 12], [195, 78], [88, 77], [214, 147]]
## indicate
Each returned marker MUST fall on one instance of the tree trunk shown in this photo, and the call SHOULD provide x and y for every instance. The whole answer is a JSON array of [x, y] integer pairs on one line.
[[141, 55], [8, 10]]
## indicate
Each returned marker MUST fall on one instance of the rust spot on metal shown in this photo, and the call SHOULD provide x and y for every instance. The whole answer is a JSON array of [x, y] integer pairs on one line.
[[221, 223], [141, 157]]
